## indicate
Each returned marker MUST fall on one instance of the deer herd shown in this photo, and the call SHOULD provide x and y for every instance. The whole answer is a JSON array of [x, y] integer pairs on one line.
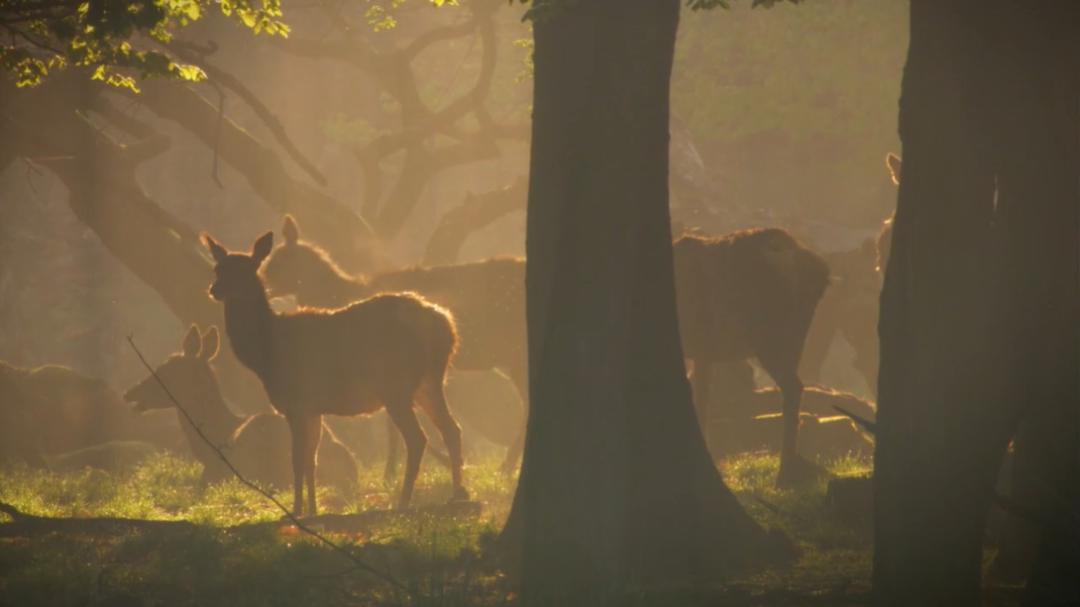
[[357, 345]]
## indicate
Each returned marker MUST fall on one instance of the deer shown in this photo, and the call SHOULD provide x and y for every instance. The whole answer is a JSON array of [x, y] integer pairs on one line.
[[850, 308], [750, 294], [389, 351], [252, 444], [487, 299], [51, 410]]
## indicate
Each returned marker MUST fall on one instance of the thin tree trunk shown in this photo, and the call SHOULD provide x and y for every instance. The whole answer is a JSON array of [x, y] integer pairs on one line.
[[617, 486]]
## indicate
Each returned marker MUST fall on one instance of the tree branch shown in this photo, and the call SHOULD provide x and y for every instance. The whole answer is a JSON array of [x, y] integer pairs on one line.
[[187, 52]]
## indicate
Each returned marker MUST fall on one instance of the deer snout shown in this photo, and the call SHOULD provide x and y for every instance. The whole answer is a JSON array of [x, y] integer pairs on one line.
[[215, 292], [137, 397]]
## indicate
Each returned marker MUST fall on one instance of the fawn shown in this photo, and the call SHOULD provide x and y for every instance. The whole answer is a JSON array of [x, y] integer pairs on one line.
[[751, 293], [487, 299], [390, 350], [252, 444]]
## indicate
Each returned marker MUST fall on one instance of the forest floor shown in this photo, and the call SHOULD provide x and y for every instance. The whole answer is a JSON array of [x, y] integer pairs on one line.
[[226, 559]]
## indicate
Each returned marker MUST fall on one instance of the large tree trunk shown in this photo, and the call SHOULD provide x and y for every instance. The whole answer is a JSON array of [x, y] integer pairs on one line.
[[978, 325], [1038, 220], [617, 486], [939, 433]]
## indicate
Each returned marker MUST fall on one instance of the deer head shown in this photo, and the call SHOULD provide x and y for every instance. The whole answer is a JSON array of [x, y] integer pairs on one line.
[[294, 262], [185, 372], [236, 275]]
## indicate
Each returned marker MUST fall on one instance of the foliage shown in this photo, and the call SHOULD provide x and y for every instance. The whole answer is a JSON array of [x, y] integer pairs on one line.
[[117, 41]]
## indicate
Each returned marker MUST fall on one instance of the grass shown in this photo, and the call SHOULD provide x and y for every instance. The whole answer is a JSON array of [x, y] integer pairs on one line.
[[440, 558]]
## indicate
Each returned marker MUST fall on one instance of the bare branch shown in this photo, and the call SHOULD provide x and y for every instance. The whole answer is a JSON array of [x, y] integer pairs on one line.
[[476, 212], [186, 51]]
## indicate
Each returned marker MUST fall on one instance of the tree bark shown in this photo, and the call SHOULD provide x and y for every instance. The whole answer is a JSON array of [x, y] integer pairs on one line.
[[617, 487], [939, 433], [978, 324], [1038, 220]]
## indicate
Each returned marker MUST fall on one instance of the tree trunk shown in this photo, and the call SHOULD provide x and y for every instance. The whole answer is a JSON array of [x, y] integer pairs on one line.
[[1038, 220], [978, 328], [939, 433], [617, 486]]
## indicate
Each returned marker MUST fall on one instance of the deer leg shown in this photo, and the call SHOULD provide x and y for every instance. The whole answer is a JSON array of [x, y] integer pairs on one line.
[[791, 389], [299, 448], [794, 470], [313, 430], [520, 377], [393, 450], [401, 412], [433, 400]]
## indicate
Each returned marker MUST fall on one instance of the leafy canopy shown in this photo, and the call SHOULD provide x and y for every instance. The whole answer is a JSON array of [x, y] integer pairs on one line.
[[115, 40]]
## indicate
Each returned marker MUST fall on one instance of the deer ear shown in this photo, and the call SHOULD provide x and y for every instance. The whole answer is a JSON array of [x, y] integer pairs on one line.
[[262, 247], [217, 251], [211, 342], [290, 230], [895, 167], [192, 343]]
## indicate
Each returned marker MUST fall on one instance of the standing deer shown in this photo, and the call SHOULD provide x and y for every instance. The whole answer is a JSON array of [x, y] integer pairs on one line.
[[390, 350], [253, 444], [850, 307], [487, 299], [750, 293], [884, 239]]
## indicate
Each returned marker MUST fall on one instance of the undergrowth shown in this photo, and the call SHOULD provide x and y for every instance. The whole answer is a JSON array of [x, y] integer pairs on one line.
[[441, 560]]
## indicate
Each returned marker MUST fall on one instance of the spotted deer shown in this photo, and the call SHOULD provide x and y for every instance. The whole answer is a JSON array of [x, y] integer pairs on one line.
[[387, 351]]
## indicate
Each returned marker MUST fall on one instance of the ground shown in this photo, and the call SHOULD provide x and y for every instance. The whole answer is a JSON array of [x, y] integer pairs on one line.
[[439, 559]]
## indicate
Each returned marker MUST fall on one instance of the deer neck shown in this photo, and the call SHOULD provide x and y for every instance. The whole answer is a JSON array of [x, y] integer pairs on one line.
[[213, 417], [248, 323]]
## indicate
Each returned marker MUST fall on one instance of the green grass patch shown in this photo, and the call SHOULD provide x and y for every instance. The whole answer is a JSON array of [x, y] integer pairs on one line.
[[439, 558]]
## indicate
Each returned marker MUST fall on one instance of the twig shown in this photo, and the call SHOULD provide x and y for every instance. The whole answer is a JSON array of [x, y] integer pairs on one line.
[[870, 426], [217, 135], [386, 577], [190, 52]]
